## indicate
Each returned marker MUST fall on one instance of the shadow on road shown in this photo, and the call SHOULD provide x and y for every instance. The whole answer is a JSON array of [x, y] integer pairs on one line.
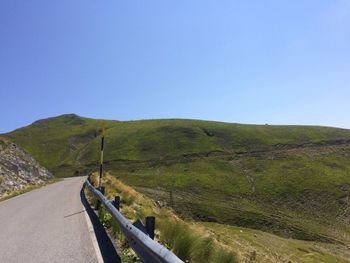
[[108, 252]]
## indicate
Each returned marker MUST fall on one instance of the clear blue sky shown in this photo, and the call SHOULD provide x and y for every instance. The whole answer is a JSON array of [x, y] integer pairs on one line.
[[276, 62]]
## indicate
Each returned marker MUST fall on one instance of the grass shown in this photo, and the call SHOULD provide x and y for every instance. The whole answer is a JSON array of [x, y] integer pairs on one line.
[[300, 203], [181, 237], [212, 242], [69, 143], [258, 246], [291, 181]]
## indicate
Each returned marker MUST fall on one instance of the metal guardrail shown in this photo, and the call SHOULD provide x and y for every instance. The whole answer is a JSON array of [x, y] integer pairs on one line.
[[146, 248]]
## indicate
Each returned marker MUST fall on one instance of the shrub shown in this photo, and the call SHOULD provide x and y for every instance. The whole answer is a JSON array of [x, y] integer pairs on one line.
[[224, 256]]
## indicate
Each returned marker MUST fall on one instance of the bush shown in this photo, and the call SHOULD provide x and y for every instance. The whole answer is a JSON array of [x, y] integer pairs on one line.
[[223, 256], [184, 244], [107, 220], [203, 250], [127, 199]]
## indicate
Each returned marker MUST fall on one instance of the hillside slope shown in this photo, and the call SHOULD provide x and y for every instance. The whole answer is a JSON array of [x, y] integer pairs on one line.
[[70, 140], [18, 169], [293, 181]]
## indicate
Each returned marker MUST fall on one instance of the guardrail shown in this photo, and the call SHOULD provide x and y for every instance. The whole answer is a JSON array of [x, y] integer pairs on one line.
[[144, 246]]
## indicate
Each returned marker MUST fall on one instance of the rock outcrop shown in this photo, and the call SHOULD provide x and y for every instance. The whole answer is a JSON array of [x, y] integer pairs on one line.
[[18, 168]]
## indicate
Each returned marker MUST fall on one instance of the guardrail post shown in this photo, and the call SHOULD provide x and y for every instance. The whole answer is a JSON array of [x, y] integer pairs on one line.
[[102, 190], [97, 204], [116, 202], [150, 226]]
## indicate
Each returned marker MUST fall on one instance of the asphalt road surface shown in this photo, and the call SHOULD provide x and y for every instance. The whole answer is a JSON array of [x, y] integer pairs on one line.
[[47, 225]]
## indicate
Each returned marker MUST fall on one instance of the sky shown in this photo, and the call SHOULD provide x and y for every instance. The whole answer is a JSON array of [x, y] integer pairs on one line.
[[275, 62]]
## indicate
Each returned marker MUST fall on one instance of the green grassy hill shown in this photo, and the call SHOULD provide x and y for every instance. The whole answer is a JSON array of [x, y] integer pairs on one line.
[[293, 181]]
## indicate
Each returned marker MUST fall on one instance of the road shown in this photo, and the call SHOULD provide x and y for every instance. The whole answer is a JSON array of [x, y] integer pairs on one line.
[[47, 225]]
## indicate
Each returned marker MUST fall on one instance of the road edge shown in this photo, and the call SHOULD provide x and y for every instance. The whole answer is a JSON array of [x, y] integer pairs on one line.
[[93, 238]]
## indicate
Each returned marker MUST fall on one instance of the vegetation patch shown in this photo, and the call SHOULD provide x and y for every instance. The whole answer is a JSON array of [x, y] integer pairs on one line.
[[290, 181], [180, 236]]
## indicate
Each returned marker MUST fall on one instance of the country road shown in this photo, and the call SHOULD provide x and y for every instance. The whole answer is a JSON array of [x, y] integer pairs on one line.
[[47, 225]]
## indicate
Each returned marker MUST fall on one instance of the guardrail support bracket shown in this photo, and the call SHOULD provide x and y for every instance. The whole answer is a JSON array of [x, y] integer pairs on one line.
[[102, 190], [116, 202], [150, 226]]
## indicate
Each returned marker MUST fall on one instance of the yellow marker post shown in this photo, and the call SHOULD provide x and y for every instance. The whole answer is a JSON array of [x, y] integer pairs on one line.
[[101, 159]]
